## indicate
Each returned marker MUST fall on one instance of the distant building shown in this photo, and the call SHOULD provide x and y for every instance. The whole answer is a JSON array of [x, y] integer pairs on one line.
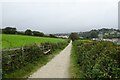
[[106, 34], [81, 37], [112, 40], [95, 39], [100, 35], [113, 32], [66, 37], [118, 33]]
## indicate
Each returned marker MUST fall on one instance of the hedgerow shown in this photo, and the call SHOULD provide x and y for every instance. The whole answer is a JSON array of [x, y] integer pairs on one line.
[[17, 58], [98, 59]]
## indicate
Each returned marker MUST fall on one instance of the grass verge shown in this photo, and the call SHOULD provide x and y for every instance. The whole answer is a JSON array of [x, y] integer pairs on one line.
[[74, 68], [32, 67]]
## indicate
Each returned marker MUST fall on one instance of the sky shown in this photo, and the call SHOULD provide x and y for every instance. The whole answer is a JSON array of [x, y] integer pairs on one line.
[[59, 16]]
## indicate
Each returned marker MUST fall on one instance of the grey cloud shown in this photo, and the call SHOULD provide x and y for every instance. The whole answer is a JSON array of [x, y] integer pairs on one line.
[[56, 17]]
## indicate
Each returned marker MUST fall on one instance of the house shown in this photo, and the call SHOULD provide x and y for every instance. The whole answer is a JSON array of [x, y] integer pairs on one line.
[[66, 37], [100, 35]]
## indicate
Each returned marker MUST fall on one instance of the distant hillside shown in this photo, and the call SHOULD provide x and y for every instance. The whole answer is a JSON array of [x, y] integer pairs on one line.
[[106, 33]]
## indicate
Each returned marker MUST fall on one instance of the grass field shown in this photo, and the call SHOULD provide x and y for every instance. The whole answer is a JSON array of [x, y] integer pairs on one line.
[[15, 41]]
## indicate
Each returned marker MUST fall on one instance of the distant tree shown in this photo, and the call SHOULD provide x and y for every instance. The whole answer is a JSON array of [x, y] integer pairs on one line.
[[20, 32], [9, 30], [46, 35], [37, 33], [0, 31], [93, 34], [74, 36], [28, 32], [52, 36]]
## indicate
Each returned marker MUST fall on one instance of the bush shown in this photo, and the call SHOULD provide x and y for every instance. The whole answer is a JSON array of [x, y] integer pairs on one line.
[[37, 33]]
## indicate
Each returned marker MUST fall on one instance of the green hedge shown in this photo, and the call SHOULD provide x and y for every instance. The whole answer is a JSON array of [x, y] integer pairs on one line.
[[16, 59], [98, 59]]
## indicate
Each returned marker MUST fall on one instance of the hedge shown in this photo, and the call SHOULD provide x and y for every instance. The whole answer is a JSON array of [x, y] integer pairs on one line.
[[18, 58], [98, 59]]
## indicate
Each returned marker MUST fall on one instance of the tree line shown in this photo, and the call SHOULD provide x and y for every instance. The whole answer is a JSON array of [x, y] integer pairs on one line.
[[106, 33], [11, 30]]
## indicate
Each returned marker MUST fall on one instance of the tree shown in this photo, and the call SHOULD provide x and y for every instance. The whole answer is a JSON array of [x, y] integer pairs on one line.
[[52, 36], [28, 32], [37, 33], [20, 32], [9, 30], [74, 36], [93, 34]]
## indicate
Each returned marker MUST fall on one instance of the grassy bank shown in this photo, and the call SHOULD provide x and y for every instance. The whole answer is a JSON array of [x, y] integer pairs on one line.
[[74, 69]]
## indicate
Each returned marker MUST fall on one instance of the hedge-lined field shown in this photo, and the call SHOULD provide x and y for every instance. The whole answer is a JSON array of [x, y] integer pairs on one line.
[[13, 41], [21, 61], [95, 59]]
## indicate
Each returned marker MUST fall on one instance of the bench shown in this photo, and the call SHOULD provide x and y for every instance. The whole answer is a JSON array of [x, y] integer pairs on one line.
[[46, 52]]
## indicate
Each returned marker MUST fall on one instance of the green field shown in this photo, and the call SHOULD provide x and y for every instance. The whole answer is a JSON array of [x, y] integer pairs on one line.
[[15, 41]]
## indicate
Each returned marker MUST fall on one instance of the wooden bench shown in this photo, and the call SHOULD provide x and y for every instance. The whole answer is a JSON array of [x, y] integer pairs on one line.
[[46, 52]]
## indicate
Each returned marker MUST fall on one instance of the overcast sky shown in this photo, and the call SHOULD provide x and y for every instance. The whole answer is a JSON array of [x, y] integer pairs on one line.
[[60, 16]]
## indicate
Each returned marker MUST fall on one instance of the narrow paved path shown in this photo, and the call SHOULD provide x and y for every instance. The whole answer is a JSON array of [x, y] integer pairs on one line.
[[57, 67]]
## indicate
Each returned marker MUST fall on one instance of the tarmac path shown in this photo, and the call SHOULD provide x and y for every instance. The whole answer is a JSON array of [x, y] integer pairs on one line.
[[58, 67]]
